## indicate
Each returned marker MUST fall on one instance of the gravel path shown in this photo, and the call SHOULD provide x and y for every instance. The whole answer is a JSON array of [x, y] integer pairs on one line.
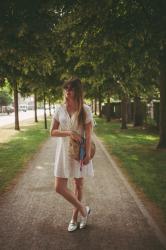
[[33, 216]]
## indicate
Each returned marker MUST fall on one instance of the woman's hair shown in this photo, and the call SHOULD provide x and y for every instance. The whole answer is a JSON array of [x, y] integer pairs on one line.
[[76, 85]]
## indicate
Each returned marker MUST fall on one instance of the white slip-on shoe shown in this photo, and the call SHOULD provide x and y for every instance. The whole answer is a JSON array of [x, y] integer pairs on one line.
[[84, 220], [72, 226]]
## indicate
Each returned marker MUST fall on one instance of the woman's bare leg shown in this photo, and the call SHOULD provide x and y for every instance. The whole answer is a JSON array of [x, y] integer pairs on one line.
[[61, 188], [78, 191]]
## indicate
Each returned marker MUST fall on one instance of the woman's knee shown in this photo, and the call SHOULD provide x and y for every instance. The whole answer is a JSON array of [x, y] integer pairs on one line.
[[79, 185], [60, 186]]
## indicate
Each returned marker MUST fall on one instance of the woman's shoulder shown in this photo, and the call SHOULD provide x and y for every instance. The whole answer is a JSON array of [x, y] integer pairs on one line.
[[58, 108], [89, 115], [87, 107]]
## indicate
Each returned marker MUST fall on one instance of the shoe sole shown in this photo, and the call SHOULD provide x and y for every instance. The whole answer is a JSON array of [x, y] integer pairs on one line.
[[70, 231]]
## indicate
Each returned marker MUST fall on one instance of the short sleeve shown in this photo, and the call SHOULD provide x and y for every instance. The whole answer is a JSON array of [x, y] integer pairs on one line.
[[89, 115], [56, 114], [55, 117]]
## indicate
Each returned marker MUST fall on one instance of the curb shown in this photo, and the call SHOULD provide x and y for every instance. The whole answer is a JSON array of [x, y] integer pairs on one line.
[[160, 235]]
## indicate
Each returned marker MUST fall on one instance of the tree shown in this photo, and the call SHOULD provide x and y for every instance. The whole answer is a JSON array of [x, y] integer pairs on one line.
[[26, 37], [5, 98], [136, 27]]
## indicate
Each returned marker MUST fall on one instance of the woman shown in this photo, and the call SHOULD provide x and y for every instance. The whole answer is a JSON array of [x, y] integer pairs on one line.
[[71, 120]]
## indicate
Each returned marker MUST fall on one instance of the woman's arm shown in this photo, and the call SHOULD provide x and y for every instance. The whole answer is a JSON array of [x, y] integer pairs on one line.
[[54, 131]]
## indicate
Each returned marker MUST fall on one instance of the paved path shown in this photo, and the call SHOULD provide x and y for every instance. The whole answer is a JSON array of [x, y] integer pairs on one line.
[[34, 217]]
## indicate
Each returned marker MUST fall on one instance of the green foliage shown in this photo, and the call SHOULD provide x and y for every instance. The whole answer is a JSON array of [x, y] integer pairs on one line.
[[151, 123], [113, 45], [122, 52], [5, 98], [29, 51]]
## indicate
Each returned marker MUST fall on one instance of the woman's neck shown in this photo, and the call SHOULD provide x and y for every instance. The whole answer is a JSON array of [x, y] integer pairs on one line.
[[71, 105]]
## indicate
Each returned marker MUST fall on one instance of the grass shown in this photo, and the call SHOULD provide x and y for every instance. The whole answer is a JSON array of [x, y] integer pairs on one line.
[[16, 152], [136, 150]]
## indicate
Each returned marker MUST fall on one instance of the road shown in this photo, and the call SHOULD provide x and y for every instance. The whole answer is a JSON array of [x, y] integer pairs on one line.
[[9, 119]]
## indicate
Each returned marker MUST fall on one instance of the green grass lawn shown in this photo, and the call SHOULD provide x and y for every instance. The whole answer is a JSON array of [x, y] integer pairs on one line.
[[136, 149], [15, 153]]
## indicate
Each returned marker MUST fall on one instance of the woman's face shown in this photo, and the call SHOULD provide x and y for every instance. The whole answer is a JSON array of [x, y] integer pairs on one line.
[[69, 92]]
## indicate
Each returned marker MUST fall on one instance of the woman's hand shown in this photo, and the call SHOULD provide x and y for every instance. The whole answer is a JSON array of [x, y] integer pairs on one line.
[[86, 160], [75, 136]]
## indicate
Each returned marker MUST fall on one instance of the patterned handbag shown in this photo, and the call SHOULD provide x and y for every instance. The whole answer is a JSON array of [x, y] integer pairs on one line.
[[77, 149]]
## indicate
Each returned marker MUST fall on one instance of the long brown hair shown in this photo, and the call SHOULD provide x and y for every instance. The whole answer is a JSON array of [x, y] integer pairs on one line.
[[77, 87]]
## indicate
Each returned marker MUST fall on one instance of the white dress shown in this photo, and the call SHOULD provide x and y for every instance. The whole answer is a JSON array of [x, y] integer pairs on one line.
[[64, 166]]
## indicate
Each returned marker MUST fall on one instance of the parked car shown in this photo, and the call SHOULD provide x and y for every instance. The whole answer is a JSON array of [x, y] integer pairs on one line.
[[23, 107], [10, 109], [7, 109]]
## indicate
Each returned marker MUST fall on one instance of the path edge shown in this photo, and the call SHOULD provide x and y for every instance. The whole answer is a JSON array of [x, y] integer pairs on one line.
[[160, 235]]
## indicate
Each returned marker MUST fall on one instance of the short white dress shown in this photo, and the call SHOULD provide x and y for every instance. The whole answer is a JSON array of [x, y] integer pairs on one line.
[[64, 166]]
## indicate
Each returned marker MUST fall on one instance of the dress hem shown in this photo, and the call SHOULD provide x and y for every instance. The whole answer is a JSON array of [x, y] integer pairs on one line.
[[83, 176]]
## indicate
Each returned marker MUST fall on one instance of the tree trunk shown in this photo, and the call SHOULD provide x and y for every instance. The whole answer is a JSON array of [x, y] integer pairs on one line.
[[162, 125], [95, 106], [100, 108], [138, 114], [129, 113], [17, 127], [108, 110], [124, 113], [49, 103], [35, 106], [156, 111], [45, 115], [92, 105]]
